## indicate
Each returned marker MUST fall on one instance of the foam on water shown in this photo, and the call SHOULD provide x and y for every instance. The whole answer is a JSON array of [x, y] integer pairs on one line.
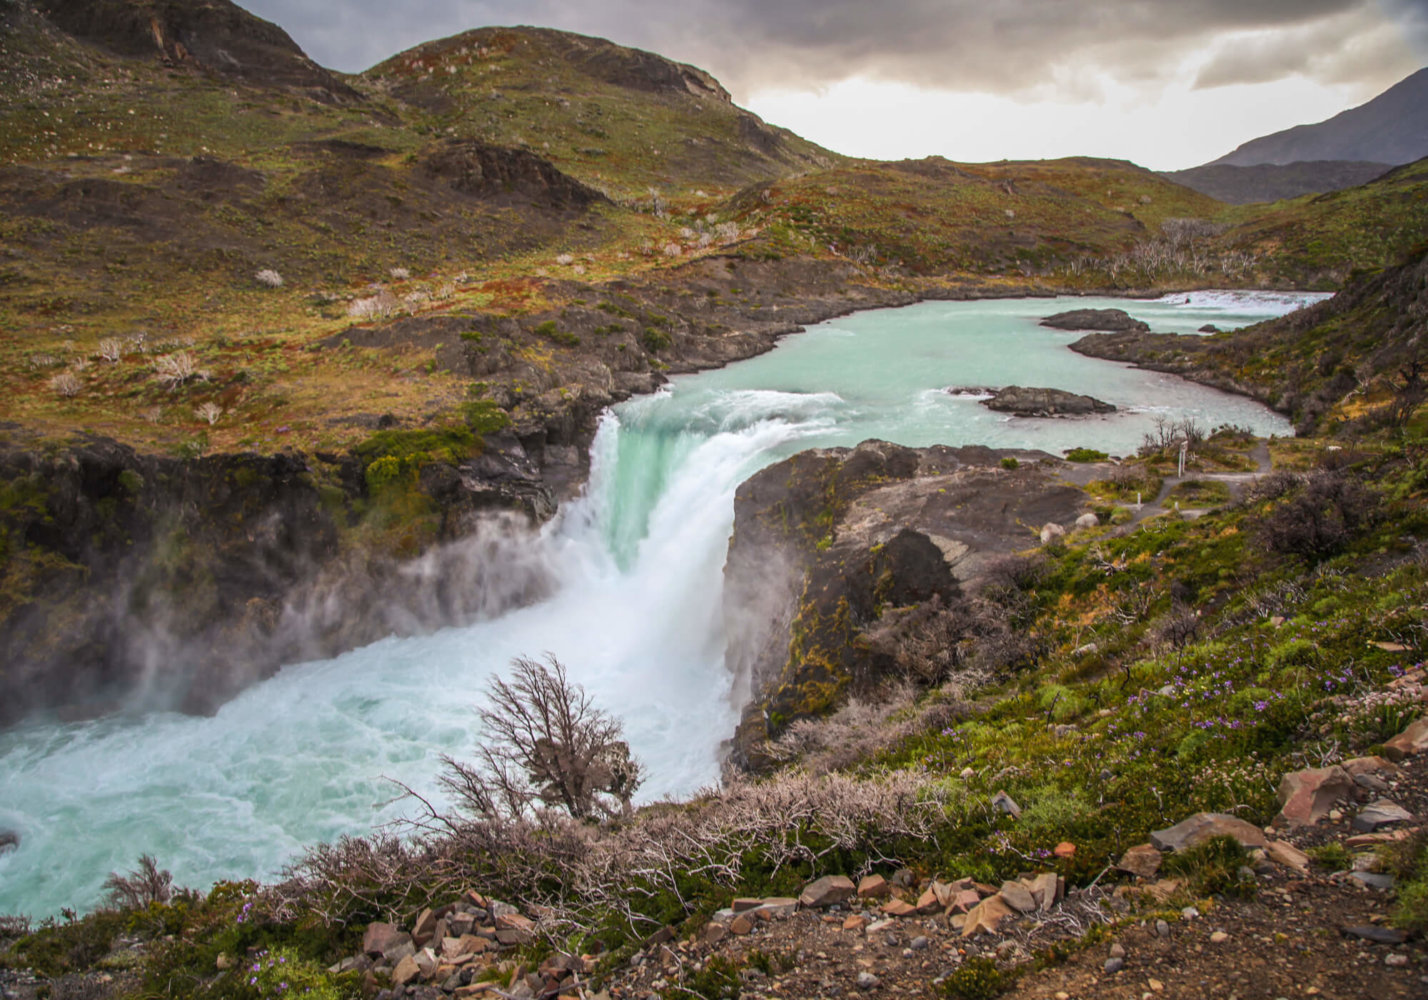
[[635, 612]]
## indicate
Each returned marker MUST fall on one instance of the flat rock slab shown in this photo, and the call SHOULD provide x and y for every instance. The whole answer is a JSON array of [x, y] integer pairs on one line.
[[1025, 401], [827, 891], [987, 917], [1305, 797], [1197, 829], [1106, 320], [1379, 935], [1381, 812], [1410, 742]]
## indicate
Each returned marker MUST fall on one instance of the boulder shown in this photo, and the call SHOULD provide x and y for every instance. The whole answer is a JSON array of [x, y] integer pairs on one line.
[[1380, 812], [379, 938], [898, 908], [1036, 401], [9, 840], [741, 925], [407, 971], [1305, 797], [1050, 532], [1287, 855], [873, 887], [826, 891], [1197, 829], [1105, 320], [1002, 802], [928, 903], [775, 907], [986, 917], [512, 928], [965, 901], [425, 927], [1087, 520], [1047, 888], [1018, 897], [1409, 743], [1143, 861]]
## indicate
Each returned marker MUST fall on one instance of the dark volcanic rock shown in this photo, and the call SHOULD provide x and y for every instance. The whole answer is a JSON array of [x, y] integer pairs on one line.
[[1034, 402], [842, 560], [494, 172], [1109, 320], [215, 36]]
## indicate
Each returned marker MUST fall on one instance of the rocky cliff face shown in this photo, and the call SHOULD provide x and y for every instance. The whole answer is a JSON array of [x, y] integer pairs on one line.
[[212, 36], [839, 555], [169, 582]]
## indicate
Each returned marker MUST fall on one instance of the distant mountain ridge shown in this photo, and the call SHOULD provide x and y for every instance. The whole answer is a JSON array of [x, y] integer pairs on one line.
[[1392, 128], [1265, 182]]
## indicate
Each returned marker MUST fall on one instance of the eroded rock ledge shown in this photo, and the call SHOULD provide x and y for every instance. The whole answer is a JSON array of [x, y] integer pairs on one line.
[[839, 555], [1026, 401]]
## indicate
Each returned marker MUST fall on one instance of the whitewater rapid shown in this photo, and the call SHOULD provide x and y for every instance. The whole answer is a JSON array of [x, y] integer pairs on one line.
[[634, 612]]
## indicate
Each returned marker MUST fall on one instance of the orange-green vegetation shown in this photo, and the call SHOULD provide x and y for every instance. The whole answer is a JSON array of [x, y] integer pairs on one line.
[[631, 123], [1319, 240], [932, 216]]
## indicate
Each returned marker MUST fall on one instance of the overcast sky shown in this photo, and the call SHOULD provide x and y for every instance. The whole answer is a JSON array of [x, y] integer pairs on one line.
[[1166, 83]]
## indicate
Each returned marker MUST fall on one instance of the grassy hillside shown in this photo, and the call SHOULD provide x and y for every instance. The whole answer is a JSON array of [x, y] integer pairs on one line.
[[499, 173]]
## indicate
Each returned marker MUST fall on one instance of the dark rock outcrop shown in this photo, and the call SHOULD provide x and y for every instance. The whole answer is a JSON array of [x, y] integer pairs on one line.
[[213, 36], [1036, 402], [1110, 320], [839, 555], [495, 173], [163, 582]]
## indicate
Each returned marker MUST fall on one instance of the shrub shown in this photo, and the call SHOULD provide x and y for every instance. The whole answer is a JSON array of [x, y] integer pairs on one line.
[[142, 886], [978, 978], [655, 340], [177, 369], [209, 411], [111, 349], [66, 384], [1085, 455], [1334, 856], [1009, 463], [547, 743], [1216, 867], [1320, 519]]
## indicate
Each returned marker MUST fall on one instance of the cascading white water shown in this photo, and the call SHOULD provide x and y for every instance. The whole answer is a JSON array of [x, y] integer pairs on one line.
[[635, 613]]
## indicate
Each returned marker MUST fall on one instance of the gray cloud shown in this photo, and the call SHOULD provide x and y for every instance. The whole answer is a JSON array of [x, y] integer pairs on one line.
[[1356, 46], [1023, 47]]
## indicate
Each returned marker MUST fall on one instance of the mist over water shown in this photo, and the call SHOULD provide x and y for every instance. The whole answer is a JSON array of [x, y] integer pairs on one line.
[[634, 612]]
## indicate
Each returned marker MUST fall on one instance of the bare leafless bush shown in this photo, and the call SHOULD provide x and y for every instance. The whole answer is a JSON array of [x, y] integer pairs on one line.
[[378, 306], [1168, 435], [13, 926], [269, 278], [66, 384], [547, 744], [1320, 518], [1177, 627], [1012, 573], [111, 349], [142, 886], [852, 733], [177, 369]]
